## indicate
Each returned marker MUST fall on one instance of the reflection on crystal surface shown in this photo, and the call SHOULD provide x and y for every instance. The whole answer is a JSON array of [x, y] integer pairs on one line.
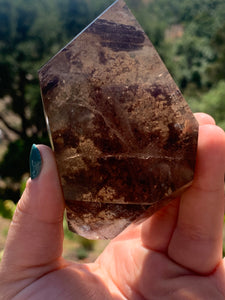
[[124, 137]]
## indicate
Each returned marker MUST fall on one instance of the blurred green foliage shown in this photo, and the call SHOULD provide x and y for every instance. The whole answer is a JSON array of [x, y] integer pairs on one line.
[[7, 209], [212, 103], [189, 35]]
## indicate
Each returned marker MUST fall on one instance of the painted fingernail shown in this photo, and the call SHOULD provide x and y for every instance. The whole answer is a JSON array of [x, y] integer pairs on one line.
[[35, 162]]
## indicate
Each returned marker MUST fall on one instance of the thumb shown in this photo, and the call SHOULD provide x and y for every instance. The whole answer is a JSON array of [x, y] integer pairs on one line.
[[35, 236]]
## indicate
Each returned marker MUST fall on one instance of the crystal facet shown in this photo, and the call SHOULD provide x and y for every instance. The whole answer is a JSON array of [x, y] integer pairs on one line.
[[124, 137]]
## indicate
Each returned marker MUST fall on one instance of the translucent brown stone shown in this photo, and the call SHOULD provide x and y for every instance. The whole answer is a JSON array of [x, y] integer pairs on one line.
[[124, 137]]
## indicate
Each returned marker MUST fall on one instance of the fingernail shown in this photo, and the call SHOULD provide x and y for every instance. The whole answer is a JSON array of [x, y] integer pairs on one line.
[[35, 162]]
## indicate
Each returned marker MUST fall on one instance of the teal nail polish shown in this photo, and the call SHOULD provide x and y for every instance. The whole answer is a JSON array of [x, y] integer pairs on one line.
[[35, 162]]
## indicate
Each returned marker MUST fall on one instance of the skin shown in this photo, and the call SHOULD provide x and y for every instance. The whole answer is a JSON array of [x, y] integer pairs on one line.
[[175, 254]]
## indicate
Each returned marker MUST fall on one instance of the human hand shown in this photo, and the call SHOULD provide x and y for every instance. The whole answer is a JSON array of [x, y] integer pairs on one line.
[[175, 254]]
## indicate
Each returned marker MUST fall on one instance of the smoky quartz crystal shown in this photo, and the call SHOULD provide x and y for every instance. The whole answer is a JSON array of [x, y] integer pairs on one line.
[[124, 137]]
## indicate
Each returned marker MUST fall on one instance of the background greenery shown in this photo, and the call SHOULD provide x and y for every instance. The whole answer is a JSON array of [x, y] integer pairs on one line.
[[189, 35]]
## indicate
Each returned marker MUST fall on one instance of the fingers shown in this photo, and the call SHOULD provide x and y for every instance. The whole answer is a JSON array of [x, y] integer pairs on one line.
[[35, 237], [157, 231], [204, 119], [197, 240]]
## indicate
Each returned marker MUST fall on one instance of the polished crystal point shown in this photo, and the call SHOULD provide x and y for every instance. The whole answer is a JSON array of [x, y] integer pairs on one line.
[[124, 137]]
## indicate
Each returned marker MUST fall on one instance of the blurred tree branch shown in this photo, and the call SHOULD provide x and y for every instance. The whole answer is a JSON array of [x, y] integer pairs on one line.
[[10, 127]]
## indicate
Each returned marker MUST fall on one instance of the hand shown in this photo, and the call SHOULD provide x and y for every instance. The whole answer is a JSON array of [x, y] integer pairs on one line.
[[175, 254]]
